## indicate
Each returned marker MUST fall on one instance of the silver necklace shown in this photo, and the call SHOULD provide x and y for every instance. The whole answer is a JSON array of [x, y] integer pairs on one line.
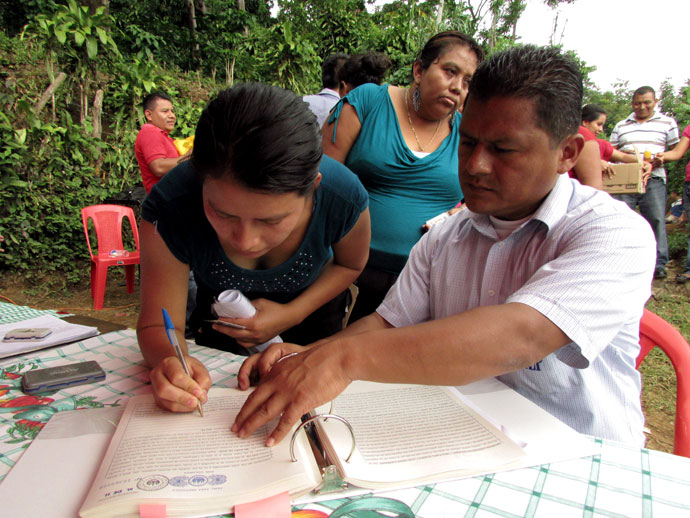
[[407, 109]]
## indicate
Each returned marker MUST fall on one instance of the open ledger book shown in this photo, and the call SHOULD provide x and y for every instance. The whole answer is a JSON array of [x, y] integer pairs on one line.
[[406, 435]]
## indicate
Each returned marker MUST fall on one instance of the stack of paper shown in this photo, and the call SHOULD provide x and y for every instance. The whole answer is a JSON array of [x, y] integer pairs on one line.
[[61, 333]]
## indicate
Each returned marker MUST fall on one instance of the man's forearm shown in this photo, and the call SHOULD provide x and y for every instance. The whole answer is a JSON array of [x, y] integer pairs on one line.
[[161, 166], [456, 350]]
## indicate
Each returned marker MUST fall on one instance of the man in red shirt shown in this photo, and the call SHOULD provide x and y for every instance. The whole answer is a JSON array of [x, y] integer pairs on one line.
[[154, 148], [157, 154]]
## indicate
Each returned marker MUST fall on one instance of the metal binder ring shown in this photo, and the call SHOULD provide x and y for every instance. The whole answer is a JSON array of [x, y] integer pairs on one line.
[[324, 417]]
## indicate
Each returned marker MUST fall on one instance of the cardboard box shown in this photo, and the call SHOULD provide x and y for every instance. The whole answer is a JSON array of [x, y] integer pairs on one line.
[[627, 180]]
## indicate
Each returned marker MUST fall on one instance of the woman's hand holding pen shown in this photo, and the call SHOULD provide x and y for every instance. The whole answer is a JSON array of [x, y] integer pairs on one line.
[[174, 390], [290, 388]]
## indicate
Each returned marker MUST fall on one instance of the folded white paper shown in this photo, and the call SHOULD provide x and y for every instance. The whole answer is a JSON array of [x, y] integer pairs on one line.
[[62, 333], [233, 304]]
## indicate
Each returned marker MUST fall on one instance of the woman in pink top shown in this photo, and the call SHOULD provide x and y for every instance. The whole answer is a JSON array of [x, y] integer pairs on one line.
[[593, 120]]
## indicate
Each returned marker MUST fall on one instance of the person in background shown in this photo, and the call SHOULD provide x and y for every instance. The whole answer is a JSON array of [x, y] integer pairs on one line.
[[676, 154], [676, 210], [369, 67], [593, 119], [587, 169], [648, 130], [403, 145], [154, 148], [257, 208], [157, 155], [539, 281], [333, 87]]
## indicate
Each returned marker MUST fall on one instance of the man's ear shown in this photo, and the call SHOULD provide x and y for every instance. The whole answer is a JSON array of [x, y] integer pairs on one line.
[[570, 149], [147, 114]]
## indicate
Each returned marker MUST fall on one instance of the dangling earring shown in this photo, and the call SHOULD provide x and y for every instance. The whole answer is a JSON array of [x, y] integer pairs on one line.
[[451, 121], [416, 102]]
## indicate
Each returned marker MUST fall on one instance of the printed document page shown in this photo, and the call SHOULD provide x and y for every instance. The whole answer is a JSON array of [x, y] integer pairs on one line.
[[413, 433], [193, 462]]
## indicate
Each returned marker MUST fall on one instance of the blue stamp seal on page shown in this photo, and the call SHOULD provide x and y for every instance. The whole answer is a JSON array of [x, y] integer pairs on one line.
[[152, 483], [217, 480], [198, 480], [179, 481]]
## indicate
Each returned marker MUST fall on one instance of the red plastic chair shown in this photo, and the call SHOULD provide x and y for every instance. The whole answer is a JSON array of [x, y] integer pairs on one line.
[[107, 221], [656, 332]]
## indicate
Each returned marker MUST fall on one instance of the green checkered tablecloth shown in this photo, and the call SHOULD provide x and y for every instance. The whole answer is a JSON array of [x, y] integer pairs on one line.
[[619, 482], [23, 416], [12, 313]]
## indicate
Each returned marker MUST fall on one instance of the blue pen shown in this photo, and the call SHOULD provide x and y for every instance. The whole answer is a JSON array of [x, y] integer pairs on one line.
[[170, 331]]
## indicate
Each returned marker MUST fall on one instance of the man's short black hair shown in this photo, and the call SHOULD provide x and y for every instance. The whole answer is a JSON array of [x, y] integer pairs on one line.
[[644, 90], [149, 102], [332, 70], [542, 74], [260, 136]]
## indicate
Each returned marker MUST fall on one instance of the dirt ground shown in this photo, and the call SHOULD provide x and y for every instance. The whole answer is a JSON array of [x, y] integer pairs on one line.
[[118, 306], [122, 307]]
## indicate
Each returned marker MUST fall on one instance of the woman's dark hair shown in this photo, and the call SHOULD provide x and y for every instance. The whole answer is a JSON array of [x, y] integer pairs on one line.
[[369, 67], [261, 136], [591, 112], [332, 70], [439, 43]]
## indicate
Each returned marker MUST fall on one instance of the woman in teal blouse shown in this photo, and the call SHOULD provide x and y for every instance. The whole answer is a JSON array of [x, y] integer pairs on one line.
[[403, 145]]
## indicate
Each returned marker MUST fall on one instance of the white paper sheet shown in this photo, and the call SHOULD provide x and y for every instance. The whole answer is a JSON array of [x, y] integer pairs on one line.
[[233, 304], [62, 333], [53, 475]]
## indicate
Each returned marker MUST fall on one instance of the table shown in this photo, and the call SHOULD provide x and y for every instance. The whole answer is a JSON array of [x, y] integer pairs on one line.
[[619, 482], [14, 313]]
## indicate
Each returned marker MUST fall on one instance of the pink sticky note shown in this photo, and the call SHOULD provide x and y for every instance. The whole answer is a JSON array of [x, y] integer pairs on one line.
[[152, 511], [277, 506]]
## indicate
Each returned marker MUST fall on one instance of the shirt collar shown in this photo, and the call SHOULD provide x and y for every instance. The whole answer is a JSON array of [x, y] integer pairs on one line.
[[159, 129], [329, 92], [550, 212], [555, 205], [632, 118]]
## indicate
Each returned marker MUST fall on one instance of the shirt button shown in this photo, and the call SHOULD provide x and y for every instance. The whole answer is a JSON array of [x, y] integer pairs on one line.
[[492, 293]]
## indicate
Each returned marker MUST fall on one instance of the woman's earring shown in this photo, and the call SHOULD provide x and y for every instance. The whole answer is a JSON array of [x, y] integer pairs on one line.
[[416, 103]]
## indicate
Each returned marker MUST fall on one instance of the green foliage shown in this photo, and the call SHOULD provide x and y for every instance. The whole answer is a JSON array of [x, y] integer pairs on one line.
[[51, 167], [15, 14], [295, 59], [52, 162], [75, 35], [53, 175]]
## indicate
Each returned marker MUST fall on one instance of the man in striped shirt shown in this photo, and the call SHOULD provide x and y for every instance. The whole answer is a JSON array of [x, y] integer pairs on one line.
[[647, 129]]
